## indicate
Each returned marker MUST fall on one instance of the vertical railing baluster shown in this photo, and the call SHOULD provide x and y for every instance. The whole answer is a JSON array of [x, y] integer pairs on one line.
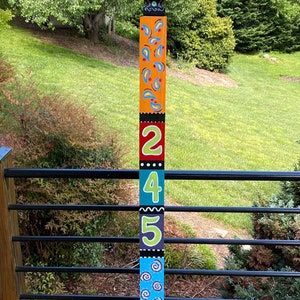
[[11, 284]]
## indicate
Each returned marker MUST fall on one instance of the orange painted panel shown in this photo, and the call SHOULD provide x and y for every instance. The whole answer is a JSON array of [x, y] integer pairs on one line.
[[153, 56]]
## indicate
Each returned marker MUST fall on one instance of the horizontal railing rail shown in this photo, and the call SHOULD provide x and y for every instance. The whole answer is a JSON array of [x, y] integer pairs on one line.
[[88, 297], [134, 174], [135, 208], [135, 240], [181, 272], [170, 175]]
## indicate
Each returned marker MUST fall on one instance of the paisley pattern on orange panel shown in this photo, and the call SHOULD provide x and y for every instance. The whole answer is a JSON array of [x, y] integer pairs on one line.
[[152, 64]]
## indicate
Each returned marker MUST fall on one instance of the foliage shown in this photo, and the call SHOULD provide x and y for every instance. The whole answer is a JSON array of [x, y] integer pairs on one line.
[[273, 227], [48, 131], [187, 256], [275, 289], [4, 4], [198, 35], [87, 16], [5, 17], [207, 41], [263, 25], [204, 256], [127, 30], [44, 283]]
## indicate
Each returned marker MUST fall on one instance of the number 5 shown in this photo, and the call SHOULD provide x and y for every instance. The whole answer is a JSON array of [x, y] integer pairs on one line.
[[148, 227]]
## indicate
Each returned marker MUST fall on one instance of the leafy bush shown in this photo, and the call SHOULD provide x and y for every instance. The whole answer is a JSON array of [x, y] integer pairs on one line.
[[275, 289], [263, 25], [127, 30], [204, 38], [51, 132], [44, 283], [190, 256], [5, 17], [270, 226]]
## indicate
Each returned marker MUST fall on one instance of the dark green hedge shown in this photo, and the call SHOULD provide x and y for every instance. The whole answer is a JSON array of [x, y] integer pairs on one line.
[[264, 25]]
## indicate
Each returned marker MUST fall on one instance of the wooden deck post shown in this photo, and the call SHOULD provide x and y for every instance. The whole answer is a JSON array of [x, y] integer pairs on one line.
[[11, 284]]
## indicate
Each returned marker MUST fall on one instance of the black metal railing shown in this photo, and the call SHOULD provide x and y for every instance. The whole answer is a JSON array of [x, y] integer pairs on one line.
[[134, 174]]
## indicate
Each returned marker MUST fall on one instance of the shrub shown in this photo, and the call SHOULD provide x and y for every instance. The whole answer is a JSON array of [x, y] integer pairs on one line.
[[275, 289], [190, 256], [51, 132], [45, 283], [263, 25], [205, 39], [127, 30], [5, 17], [270, 226]]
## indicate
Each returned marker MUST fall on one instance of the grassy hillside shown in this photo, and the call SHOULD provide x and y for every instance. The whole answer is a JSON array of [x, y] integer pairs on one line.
[[255, 126]]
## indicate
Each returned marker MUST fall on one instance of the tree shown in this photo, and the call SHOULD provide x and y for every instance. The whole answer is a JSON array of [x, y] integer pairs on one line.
[[263, 25], [86, 15]]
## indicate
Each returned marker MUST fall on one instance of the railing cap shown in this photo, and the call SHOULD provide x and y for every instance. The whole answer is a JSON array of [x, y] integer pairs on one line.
[[4, 152]]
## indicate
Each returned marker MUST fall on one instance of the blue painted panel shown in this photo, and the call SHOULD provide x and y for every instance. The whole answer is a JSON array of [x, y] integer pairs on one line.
[[152, 278]]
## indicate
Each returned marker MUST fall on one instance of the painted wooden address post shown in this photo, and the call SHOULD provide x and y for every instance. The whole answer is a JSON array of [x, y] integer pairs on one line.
[[153, 49]]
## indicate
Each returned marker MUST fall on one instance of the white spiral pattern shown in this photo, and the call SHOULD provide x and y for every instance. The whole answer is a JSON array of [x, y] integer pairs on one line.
[[157, 286], [146, 276], [145, 294], [156, 266]]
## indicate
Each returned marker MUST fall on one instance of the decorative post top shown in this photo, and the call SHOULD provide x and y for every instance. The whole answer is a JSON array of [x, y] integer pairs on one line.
[[154, 8]]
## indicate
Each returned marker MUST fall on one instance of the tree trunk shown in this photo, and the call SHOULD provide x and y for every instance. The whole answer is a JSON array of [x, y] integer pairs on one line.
[[112, 26], [92, 25]]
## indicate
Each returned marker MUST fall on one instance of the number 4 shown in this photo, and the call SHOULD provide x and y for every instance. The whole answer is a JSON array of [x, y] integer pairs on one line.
[[152, 186]]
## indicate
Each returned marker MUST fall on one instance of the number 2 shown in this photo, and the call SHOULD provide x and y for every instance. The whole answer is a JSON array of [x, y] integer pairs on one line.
[[148, 147], [148, 227]]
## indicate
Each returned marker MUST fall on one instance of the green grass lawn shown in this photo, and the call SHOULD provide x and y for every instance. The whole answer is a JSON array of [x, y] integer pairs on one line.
[[253, 127]]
